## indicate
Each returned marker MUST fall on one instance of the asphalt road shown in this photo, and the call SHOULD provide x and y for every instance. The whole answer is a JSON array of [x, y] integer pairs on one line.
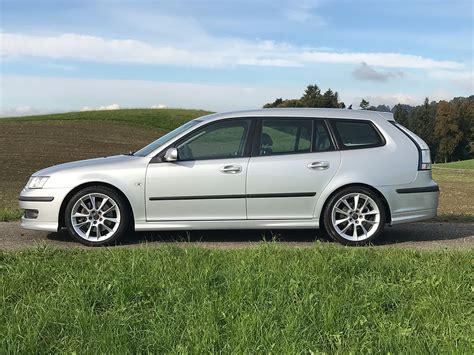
[[416, 235]]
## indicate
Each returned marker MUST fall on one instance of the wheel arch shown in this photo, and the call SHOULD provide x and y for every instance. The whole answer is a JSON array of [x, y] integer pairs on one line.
[[371, 188], [62, 222]]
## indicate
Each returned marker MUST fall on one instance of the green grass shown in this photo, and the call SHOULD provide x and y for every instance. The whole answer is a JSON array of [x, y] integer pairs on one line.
[[267, 299], [9, 214], [463, 164], [166, 119]]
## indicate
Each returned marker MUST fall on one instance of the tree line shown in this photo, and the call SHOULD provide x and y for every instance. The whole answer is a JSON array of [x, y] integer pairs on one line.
[[446, 126]]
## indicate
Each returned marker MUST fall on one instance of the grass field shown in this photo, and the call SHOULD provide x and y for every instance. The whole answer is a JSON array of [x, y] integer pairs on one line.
[[267, 299], [465, 164], [28, 144]]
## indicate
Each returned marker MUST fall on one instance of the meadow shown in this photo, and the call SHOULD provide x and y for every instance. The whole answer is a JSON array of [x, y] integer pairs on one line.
[[268, 299]]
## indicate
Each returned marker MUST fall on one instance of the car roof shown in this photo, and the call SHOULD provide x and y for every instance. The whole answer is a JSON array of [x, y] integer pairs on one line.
[[302, 112]]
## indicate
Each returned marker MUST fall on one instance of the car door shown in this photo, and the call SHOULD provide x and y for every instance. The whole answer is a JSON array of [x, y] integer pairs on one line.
[[208, 179], [293, 160]]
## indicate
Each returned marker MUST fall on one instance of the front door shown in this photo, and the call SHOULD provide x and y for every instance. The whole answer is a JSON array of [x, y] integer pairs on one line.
[[294, 162], [208, 180]]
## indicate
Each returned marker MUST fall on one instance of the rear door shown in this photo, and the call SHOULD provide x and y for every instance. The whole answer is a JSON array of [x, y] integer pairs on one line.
[[292, 162]]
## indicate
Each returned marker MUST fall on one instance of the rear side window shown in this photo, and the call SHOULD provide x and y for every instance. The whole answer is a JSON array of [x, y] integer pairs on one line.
[[322, 140], [280, 136], [356, 134]]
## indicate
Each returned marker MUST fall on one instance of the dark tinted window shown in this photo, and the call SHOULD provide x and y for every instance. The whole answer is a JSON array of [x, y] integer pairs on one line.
[[356, 134], [220, 140], [282, 136], [322, 140]]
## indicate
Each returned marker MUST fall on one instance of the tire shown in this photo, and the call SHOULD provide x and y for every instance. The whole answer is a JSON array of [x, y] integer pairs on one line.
[[354, 226], [97, 215]]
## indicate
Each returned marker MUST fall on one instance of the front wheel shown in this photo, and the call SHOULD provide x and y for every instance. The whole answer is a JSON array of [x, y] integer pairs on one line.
[[97, 215], [354, 216]]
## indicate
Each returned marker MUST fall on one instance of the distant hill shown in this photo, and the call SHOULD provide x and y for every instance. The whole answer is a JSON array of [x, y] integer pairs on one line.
[[165, 119]]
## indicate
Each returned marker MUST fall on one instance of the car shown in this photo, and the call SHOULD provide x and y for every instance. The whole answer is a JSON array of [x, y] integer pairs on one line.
[[347, 172]]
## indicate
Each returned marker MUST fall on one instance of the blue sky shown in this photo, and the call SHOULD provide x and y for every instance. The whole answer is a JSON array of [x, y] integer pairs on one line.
[[224, 55]]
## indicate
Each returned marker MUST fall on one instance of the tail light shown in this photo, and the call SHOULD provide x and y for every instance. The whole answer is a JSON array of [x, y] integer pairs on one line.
[[425, 160]]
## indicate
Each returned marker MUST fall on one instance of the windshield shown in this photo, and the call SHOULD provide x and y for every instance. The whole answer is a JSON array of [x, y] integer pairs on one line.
[[163, 139]]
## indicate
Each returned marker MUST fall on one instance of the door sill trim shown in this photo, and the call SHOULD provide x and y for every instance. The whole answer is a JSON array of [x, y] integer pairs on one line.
[[229, 224]]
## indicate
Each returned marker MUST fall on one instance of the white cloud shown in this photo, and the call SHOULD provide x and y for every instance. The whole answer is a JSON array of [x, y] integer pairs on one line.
[[388, 99], [159, 106], [102, 108], [216, 52], [365, 72], [74, 94], [38, 95], [19, 111]]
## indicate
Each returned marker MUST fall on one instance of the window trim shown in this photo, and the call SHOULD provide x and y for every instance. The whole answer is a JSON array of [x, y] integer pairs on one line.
[[247, 145], [341, 146]]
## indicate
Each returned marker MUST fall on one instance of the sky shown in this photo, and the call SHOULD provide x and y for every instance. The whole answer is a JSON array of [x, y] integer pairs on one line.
[[221, 55]]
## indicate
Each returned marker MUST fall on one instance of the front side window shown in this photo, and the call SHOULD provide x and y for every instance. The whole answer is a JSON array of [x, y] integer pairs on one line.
[[216, 141], [163, 139], [281, 136], [356, 134]]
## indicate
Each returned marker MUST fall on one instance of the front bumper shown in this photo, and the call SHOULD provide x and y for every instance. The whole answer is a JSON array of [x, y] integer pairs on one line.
[[47, 203]]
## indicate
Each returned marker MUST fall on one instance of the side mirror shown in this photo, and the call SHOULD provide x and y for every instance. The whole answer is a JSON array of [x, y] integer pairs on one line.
[[171, 155]]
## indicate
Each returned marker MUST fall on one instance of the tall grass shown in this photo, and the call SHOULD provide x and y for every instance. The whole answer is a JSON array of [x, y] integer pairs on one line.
[[9, 214], [265, 299]]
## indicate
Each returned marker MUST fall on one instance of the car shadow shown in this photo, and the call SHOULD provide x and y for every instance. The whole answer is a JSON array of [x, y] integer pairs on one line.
[[425, 232], [413, 232], [209, 236]]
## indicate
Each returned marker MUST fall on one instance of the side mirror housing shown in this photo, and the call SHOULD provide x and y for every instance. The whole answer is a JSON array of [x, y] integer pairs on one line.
[[171, 155]]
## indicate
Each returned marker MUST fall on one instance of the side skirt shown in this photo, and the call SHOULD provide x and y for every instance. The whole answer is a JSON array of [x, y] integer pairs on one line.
[[229, 224]]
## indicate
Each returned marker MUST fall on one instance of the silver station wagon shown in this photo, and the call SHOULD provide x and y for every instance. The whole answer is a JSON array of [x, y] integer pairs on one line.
[[347, 172]]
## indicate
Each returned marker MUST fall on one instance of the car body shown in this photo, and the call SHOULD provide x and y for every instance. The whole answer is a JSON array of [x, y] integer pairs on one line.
[[258, 169]]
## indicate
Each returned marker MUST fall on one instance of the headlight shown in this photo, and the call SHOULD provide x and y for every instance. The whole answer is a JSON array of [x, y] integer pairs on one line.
[[37, 182]]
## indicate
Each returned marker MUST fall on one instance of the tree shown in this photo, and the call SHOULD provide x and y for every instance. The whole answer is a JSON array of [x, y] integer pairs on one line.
[[312, 97], [330, 99], [464, 110], [446, 131], [275, 103], [425, 124], [364, 104], [401, 115], [383, 108]]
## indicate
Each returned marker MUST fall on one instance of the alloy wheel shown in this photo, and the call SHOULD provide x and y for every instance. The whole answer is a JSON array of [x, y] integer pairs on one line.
[[95, 217], [355, 217]]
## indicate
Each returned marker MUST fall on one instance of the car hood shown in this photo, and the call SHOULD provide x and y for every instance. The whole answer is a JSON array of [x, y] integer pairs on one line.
[[88, 164]]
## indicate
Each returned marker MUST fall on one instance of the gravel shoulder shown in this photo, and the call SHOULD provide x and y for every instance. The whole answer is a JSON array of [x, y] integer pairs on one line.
[[434, 235]]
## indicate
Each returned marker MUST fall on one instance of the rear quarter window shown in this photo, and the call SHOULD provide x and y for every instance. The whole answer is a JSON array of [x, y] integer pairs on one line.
[[356, 134]]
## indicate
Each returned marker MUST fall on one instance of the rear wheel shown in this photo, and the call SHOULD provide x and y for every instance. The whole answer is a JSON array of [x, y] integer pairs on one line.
[[354, 216], [97, 215]]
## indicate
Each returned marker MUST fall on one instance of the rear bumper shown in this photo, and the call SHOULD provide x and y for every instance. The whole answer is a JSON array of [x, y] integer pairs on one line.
[[412, 203], [413, 216]]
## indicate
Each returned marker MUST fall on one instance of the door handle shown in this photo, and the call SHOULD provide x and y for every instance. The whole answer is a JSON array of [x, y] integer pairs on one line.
[[231, 169], [318, 165]]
